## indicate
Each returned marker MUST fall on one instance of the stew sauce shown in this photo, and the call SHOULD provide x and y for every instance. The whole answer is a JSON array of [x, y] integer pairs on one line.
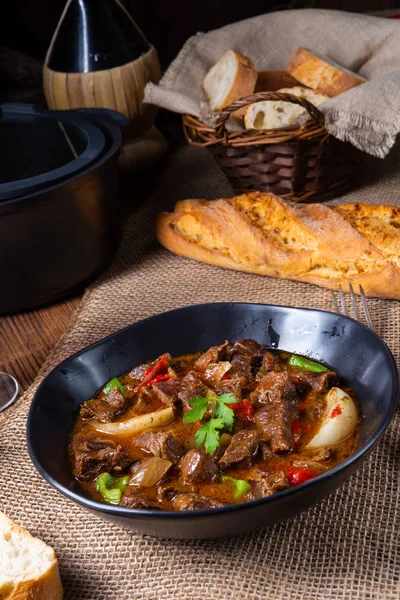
[[221, 427]]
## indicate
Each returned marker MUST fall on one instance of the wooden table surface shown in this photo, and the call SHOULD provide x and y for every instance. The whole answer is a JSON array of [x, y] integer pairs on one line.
[[26, 339]]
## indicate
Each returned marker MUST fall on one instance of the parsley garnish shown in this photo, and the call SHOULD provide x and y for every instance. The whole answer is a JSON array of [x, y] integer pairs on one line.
[[221, 418]]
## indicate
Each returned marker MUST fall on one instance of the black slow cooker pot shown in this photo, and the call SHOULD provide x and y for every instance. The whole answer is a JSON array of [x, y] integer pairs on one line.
[[59, 215]]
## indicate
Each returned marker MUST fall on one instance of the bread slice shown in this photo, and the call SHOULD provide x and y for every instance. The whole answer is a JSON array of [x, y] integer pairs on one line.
[[321, 73], [261, 233], [28, 567], [272, 114], [270, 81], [231, 78]]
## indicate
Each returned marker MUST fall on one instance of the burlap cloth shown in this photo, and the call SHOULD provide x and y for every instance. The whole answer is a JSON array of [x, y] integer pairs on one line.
[[345, 548], [368, 116]]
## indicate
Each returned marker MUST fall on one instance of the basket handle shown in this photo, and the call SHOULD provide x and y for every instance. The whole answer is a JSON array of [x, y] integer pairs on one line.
[[315, 114]]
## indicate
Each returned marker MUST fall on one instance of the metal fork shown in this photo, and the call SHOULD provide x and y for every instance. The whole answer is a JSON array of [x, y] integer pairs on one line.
[[345, 311]]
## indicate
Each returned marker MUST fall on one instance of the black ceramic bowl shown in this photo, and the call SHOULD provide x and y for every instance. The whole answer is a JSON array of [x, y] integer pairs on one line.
[[356, 353]]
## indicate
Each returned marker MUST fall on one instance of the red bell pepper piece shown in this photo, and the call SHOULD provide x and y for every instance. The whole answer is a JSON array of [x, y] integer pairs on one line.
[[225, 377], [336, 412], [244, 410], [298, 476], [159, 378], [152, 372]]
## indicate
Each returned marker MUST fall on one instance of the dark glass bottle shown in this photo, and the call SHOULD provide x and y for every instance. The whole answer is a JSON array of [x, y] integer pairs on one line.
[[94, 35]]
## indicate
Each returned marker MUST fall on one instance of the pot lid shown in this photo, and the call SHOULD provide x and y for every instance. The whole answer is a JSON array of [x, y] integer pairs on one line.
[[41, 147]]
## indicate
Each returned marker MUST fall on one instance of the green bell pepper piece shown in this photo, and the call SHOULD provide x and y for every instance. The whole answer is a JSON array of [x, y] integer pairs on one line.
[[241, 486], [111, 488], [112, 384], [306, 365]]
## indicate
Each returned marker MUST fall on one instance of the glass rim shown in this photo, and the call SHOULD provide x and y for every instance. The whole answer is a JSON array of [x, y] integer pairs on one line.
[[16, 392]]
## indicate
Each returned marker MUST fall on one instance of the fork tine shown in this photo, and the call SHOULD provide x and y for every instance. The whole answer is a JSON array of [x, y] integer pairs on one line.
[[343, 301], [354, 303], [335, 304], [366, 309]]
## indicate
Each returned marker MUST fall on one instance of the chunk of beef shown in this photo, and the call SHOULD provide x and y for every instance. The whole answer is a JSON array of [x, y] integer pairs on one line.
[[270, 484], [246, 357], [243, 446], [272, 387], [144, 401], [160, 443], [184, 501], [265, 451], [242, 366], [167, 391], [318, 382], [274, 425], [270, 362], [249, 347], [139, 372], [106, 408], [274, 420], [315, 385], [133, 499], [196, 467], [213, 355], [90, 458], [192, 386], [230, 386]]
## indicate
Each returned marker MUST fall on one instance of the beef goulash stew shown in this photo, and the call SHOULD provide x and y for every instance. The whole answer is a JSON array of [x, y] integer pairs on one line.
[[206, 430]]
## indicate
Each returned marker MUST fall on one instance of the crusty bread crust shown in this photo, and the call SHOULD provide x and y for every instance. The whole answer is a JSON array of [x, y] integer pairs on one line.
[[243, 83], [46, 586], [262, 234], [380, 224], [271, 81], [321, 74]]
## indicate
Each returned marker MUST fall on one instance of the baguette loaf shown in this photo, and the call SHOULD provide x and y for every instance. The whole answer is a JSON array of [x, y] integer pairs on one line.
[[231, 78], [260, 233], [272, 114], [28, 567], [321, 73]]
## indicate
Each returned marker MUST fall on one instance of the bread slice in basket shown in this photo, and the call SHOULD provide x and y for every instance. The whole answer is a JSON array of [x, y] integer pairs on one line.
[[231, 78], [28, 567], [262, 234], [272, 114], [321, 73]]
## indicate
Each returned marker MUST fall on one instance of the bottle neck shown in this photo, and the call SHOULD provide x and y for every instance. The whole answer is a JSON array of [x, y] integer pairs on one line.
[[95, 35]]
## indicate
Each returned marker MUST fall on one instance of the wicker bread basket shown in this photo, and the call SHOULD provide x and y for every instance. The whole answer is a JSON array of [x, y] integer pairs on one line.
[[303, 163]]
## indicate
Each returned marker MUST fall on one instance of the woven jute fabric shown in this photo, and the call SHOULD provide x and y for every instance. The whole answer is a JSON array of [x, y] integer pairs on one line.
[[368, 116], [346, 548]]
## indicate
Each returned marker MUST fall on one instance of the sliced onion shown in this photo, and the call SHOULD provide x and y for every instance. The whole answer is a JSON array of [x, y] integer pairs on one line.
[[137, 424], [338, 421], [215, 371], [149, 471]]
